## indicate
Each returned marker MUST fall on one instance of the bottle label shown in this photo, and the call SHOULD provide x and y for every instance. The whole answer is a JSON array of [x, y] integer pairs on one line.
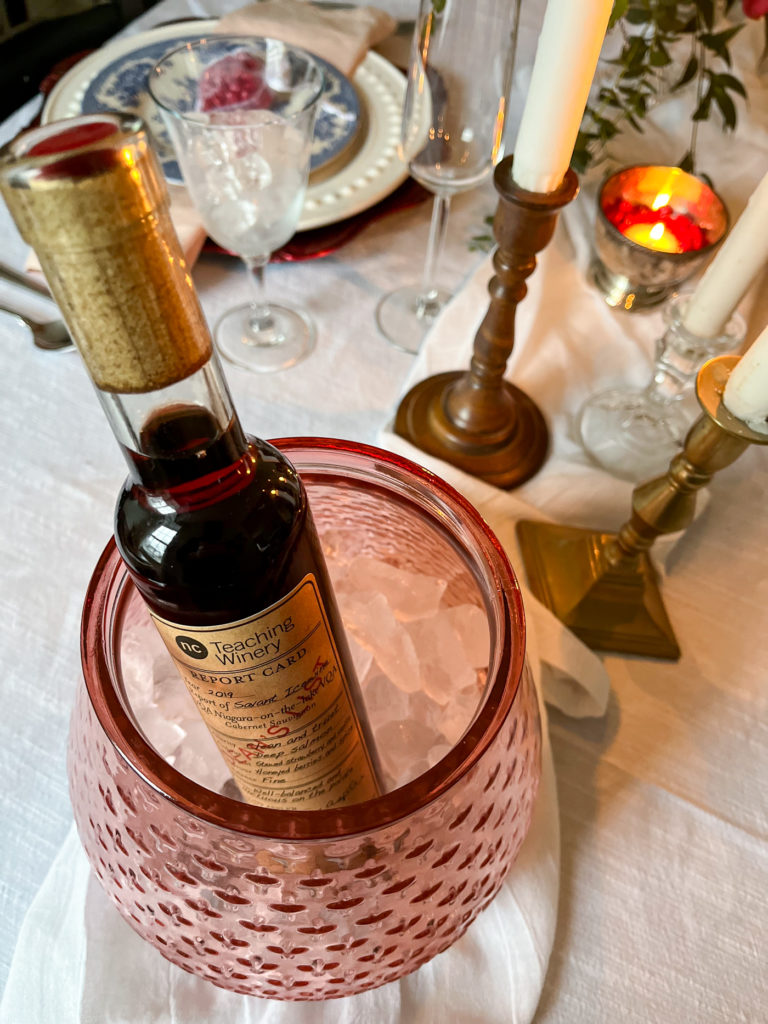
[[272, 691]]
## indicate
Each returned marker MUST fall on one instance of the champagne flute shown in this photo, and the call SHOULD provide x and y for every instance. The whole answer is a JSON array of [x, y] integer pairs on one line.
[[240, 112], [456, 100]]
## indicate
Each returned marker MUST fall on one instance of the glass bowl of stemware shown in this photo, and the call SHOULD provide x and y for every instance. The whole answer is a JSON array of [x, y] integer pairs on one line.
[[307, 905]]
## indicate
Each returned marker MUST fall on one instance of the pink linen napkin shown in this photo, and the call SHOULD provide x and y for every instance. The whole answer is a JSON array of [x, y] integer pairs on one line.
[[342, 37]]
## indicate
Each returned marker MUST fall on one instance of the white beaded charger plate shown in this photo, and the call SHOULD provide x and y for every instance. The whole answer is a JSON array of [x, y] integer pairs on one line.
[[373, 170]]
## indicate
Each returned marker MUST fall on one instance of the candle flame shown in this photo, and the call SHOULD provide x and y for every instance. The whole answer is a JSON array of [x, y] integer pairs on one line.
[[653, 236], [662, 199]]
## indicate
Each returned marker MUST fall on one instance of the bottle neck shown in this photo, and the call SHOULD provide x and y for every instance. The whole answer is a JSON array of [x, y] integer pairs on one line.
[[88, 195], [175, 435]]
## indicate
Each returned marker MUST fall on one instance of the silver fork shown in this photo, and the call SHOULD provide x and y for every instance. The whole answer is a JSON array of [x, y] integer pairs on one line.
[[51, 336]]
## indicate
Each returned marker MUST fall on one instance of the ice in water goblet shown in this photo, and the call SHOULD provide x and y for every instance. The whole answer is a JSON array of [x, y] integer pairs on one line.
[[240, 112], [459, 79]]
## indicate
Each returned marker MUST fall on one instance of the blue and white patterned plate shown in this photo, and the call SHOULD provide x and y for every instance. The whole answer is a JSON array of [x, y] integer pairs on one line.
[[360, 177], [122, 85]]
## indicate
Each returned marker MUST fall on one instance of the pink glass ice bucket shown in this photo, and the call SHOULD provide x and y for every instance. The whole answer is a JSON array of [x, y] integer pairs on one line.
[[320, 904]]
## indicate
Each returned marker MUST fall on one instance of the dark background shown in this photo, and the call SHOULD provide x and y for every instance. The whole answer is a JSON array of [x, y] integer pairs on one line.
[[35, 35]]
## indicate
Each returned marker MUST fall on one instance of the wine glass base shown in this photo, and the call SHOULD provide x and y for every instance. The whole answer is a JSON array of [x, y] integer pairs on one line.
[[288, 338], [631, 435], [404, 317]]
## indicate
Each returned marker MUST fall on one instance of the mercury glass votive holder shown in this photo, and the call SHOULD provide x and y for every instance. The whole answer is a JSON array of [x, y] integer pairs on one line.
[[308, 905], [632, 274]]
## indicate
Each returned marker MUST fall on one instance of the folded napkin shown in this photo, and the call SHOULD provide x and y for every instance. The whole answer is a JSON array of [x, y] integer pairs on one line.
[[342, 37]]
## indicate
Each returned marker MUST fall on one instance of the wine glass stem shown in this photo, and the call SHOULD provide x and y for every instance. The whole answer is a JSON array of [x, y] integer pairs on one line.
[[664, 387], [260, 318], [673, 370], [437, 228]]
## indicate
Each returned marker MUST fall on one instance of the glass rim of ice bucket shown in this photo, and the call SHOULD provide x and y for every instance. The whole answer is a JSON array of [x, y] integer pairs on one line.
[[105, 603], [679, 257], [155, 75]]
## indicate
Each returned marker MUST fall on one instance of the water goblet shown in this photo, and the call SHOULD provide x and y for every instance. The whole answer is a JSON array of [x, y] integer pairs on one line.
[[459, 79], [240, 112]]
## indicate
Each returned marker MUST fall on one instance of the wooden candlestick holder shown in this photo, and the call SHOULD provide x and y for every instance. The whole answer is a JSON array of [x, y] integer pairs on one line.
[[474, 419], [603, 585]]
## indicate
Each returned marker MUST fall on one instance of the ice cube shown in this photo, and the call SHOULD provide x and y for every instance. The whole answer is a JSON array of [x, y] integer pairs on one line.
[[164, 735], [335, 542], [471, 626], [422, 667], [231, 218], [173, 697], [208, 152], [446, 666], [199, 758], [438, 752], [138, 670], [410, 595], [143, 657], [371, 622], [458, 714], [254, 171], [422, 708], [362, 658], [384, 702], [403, 744], [410, 771]]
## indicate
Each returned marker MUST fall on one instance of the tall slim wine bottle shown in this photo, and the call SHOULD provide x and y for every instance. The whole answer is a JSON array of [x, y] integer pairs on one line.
[[213, 525]]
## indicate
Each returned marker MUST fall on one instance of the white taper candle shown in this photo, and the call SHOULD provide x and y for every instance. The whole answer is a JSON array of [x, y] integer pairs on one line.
[[733, 269], [566, 57], [746, 393]]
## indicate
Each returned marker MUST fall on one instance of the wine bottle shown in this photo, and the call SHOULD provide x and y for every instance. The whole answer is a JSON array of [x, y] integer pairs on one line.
[[213, 525]]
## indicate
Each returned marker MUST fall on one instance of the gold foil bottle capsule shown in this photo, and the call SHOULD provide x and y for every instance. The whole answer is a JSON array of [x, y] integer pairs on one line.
[[91, 201]]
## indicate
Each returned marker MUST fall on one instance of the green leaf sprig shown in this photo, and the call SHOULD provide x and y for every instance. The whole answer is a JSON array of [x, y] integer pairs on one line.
[[650, 29]]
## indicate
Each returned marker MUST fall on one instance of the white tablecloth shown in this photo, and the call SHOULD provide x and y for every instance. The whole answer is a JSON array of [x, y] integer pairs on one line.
[[663, 809]]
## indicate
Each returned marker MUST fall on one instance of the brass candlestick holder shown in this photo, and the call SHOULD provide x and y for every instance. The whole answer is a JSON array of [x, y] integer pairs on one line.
[[603, 585], [474, 419]]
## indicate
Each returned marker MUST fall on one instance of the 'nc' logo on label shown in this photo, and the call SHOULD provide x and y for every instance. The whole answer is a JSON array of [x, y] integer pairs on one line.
[[191, 647]]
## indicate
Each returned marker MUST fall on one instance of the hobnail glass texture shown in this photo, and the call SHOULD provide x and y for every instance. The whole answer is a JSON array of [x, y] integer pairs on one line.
[[316, 904]]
